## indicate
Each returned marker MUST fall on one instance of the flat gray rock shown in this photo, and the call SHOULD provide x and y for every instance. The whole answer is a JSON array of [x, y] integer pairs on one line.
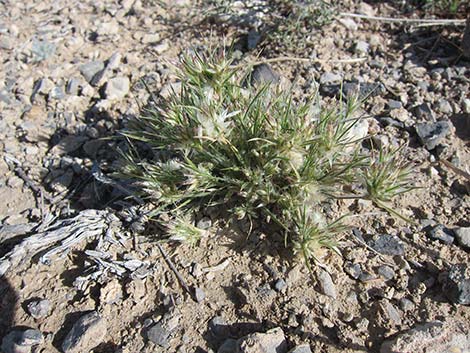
[[329, 78], [388, 245], [87, 333], [441, 233], [457, 284], [117, 88], [264, 74], [159, 335], [39, 308], [431, 337], [90, 69], [431, 134], [21, 341]]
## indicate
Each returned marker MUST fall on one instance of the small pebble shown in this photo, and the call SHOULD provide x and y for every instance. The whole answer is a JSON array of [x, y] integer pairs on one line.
[[387, 244], [304, 348], [280, 285], [326, 283], [406, 304], [431, 134], [159, 335], [441, 233], [330, 78], [462, 236], [89, 70], [264, 74], [117, 88], [39, 309], [386, 272], [199, 295], [361, 47], [354, 270], [457, 284]]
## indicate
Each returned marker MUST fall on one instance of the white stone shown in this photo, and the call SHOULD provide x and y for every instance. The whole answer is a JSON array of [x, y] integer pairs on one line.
[[349, 23], [117, 88], [466, 105], [150, 38]]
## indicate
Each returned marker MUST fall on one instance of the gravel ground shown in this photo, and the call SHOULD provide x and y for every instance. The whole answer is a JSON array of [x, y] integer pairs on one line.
[[73, 73]]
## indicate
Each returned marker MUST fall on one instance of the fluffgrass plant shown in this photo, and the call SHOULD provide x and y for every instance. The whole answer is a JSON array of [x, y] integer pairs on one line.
[[256, 153]]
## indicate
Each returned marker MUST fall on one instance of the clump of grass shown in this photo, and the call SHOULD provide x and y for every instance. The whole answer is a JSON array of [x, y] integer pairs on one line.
[[256, 153], [296, 19], [283, 24]]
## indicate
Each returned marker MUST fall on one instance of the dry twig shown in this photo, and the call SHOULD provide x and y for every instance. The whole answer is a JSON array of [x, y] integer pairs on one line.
[[417, 21], [39, 192], [175, 270], [58, 238], [455, 169]]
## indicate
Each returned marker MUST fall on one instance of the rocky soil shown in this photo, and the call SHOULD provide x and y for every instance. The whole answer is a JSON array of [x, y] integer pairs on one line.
[[74, 72]]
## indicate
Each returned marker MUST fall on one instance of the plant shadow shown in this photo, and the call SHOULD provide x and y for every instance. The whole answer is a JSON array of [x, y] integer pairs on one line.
[[8, 306]]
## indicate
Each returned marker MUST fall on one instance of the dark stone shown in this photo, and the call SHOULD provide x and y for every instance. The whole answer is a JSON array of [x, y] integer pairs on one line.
[[441, 233], [159, 335], [431, 134], [424, 112], [363, 89], [393, 104], [466, 40], [219, 327], [229, 346], [263, 74], [20, 341], [30, 337], [386, 272], [87, 333], [329, 90], [92, 147], [386, 121], [406, 304], [354, 270], [388, 245], [92, 69], [366, 277], [457, 284], [253, 38]]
